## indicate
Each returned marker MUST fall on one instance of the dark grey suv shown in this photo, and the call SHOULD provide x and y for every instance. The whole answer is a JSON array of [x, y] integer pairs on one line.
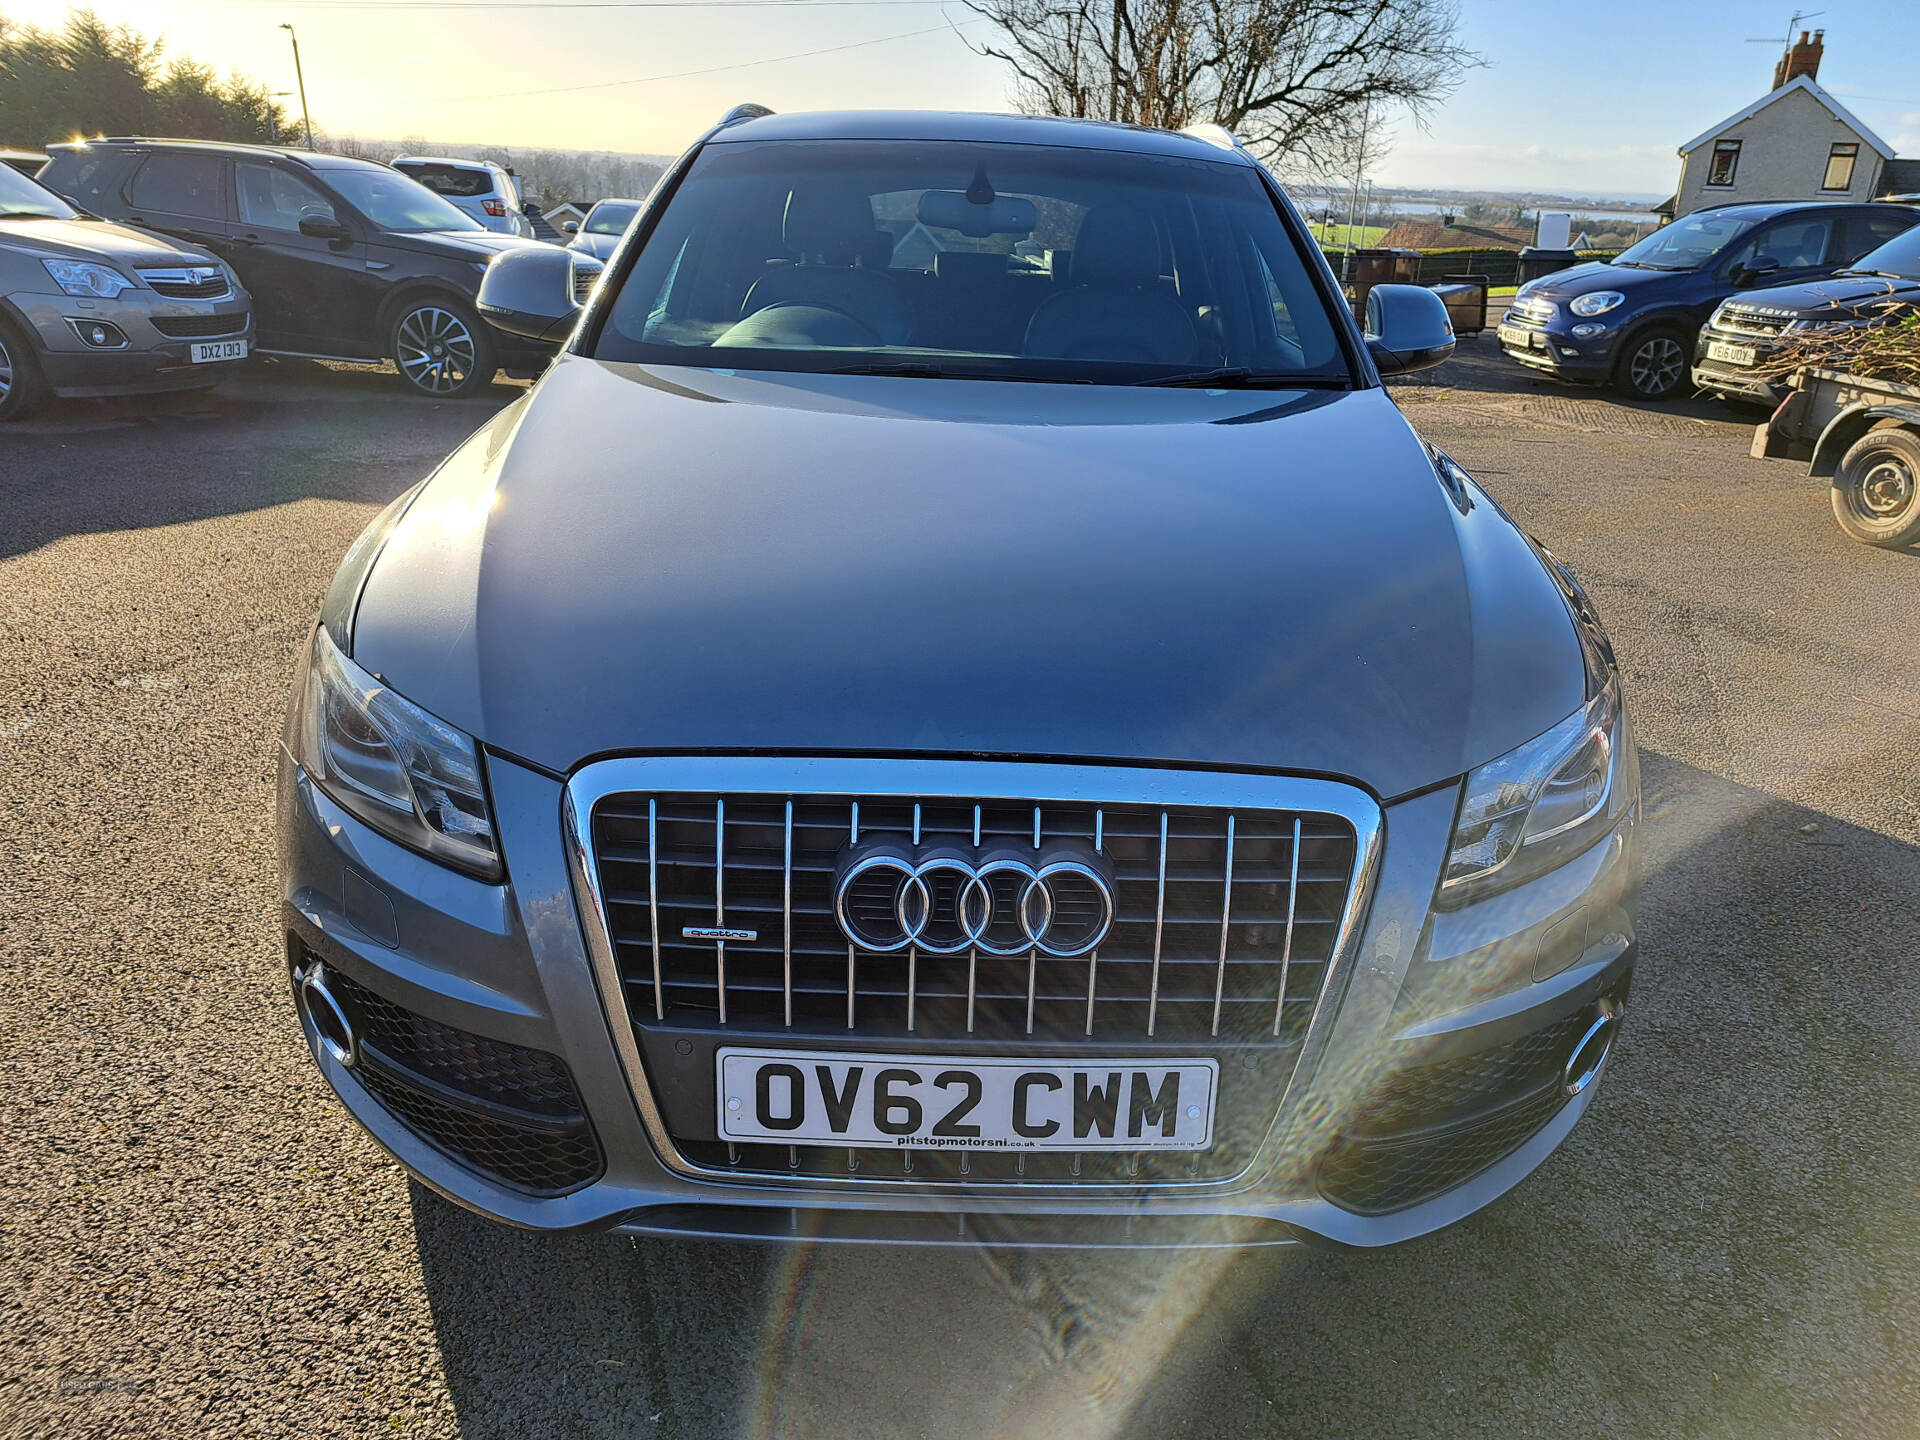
[[959, 710], [346, 259]]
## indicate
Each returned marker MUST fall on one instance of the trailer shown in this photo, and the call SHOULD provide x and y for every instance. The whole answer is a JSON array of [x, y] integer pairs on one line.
[[1863, 435]]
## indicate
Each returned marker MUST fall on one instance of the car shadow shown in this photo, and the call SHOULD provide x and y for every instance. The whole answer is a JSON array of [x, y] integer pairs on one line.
[[275, 432], [1725, 1246]]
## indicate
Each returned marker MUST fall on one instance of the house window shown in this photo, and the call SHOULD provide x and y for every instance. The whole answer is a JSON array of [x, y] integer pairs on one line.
[[1726, 160], [1840, 167]]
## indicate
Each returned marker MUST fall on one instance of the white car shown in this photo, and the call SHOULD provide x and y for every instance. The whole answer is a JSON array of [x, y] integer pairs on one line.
[[487, 192]]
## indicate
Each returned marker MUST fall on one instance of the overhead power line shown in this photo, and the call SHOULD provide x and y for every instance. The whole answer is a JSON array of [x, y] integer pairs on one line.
[[684, 74], [432, 5]]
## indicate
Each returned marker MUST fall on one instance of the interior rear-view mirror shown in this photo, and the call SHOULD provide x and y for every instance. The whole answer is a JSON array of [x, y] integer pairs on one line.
[[1003, 215]]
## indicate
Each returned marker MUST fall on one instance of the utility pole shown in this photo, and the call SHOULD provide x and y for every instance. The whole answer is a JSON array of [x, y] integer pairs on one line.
[[305, 118], [1359, 167]]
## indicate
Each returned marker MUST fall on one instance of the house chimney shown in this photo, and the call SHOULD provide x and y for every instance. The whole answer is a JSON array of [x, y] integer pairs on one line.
[[1802, 58]]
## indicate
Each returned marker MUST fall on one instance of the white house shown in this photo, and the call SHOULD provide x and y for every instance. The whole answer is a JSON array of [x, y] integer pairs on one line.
[[1794, 143]]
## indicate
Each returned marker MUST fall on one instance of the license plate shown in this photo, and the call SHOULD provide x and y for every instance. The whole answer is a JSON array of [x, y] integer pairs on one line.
[[1730, 354], [203, 351], [964, 1102], [1520, 339]]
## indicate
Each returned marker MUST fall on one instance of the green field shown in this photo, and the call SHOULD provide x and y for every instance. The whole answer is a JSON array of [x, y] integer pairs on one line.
[[1335, 235]]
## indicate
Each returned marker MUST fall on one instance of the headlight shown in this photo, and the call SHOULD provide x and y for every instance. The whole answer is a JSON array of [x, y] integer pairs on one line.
[[409, 775], [83, 277], [1537, 807], [1597, 303]]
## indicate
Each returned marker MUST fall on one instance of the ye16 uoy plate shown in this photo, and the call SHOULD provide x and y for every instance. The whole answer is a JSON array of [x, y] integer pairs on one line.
[[873, 1101]]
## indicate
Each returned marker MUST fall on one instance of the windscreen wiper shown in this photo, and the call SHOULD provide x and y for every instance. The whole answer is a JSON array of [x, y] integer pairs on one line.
[[1878, 274], [1240, 377], [916, 371]]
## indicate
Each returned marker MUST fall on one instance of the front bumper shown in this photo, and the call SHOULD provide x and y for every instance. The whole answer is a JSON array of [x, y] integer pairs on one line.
[[1737, 382], [1423, 992], [149, 360], [1547, 346]]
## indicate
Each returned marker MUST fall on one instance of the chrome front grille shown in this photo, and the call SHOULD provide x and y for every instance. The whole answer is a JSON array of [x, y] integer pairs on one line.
[[1228, 934], [1529, 312], [186, 283], [1738, 322], [1224, 920], [586, 275]]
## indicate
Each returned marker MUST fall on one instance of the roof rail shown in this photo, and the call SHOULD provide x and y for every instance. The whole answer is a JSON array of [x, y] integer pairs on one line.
[[1215, 135], [738, 113]]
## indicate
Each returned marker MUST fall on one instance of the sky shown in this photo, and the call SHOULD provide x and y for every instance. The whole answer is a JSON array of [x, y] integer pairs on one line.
[[1578, 98]]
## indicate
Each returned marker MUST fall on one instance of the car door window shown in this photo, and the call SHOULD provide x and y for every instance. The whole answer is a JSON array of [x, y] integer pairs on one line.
[[1870, 232], [273, 199], [1798, 244], [180, 184]]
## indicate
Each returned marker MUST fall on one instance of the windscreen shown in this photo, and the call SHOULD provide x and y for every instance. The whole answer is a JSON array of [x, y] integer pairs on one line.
[[392, 201], [974, 260], [1899, 256], [21, 197], [611, 217], [1687, 244], [459, 181]]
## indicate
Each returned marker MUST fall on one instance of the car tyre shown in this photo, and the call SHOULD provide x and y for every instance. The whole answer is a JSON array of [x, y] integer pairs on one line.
[[22, 387], [1653, 364], [1876, 491], [441, 348]]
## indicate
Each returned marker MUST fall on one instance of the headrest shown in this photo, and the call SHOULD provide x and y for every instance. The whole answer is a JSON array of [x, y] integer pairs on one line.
[[830, 221], [1116, 249], [967, 266]]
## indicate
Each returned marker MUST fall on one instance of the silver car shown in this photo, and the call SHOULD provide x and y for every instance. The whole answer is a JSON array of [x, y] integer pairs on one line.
[[600, 232], [91, 308], [958, 710], [479, 189]]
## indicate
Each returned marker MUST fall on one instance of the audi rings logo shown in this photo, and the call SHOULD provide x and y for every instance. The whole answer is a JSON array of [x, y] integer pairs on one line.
[[946, 899]]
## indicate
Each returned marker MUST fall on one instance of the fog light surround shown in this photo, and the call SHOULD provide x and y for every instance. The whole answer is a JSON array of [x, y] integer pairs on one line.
[[99, 334]]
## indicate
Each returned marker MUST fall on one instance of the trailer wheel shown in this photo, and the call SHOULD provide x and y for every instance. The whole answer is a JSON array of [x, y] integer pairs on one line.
[[1876, 491]]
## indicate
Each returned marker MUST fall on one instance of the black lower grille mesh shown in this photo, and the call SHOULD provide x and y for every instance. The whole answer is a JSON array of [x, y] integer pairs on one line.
[[542, 1162], [1428, 1128], [198, 327], [504, 1110], [1376, 1176]]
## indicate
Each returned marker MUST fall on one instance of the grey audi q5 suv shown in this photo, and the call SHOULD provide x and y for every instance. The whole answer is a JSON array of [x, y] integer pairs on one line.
[[959, 711]]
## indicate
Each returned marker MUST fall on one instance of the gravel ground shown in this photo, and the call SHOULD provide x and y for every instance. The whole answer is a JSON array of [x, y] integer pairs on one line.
[[195, 1240]]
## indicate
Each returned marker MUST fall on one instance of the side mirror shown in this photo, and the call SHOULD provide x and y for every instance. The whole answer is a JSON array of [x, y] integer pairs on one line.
[[531, 292], [1408, 328], [317, 228], [572, 227], [1755, 270]]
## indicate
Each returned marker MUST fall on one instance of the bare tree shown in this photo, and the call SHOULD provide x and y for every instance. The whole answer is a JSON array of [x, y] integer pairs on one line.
[[1298, 80]]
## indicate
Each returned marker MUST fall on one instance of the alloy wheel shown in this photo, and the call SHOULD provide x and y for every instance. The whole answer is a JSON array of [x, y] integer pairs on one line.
[[435, 350], [1657, 366]]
